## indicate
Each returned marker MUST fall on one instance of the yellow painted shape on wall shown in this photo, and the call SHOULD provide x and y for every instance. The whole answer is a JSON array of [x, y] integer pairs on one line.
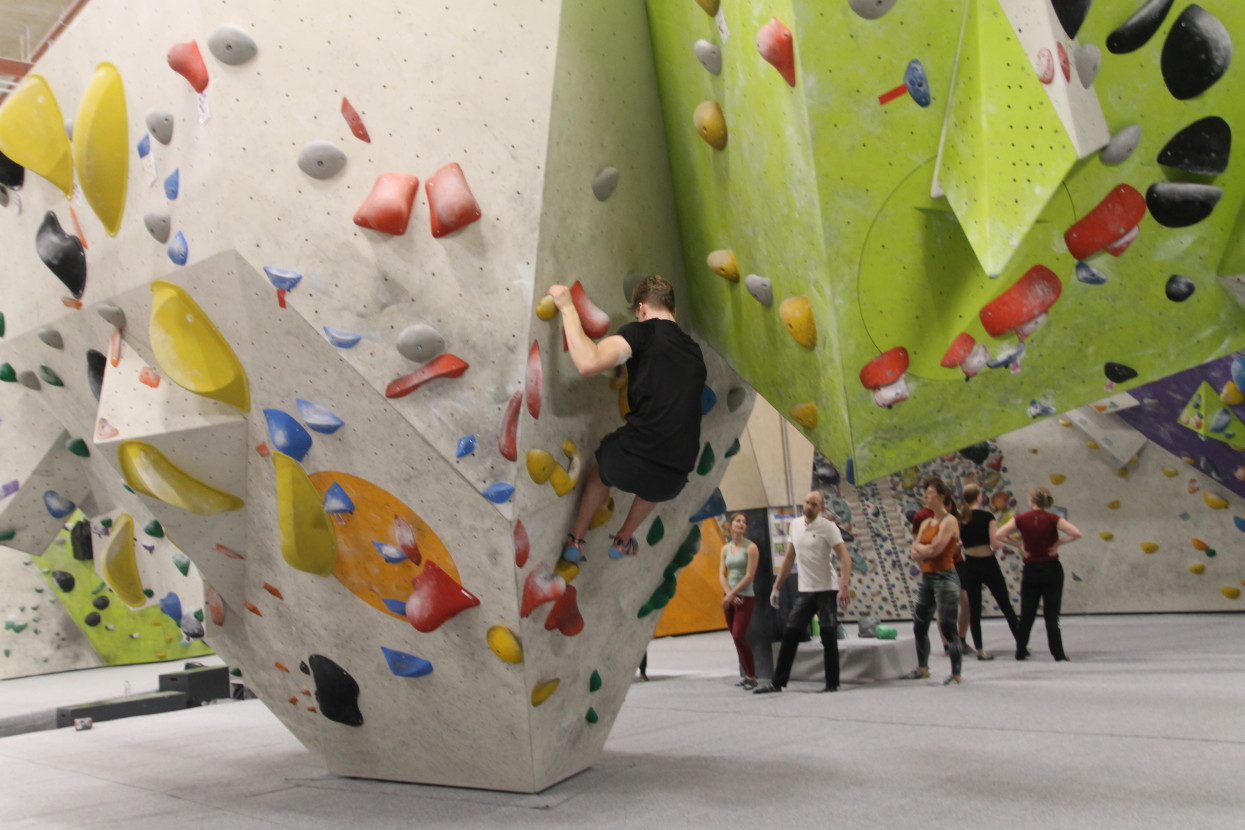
[[1197, 568], [697, 603], [150, 472], [805, 414], [117, 563], [1213, 501], [1149, 547], [191, 350], [504, 644], [32, 133], [542, 691], [308, 541], [101, 146], [797, 315]]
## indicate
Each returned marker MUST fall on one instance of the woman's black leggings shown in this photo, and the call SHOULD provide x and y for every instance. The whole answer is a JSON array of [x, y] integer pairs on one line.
[[985, 571], [1044, 582]]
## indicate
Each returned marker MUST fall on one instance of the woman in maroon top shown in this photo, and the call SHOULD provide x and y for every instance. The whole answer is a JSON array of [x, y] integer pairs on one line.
[[1042, 577]]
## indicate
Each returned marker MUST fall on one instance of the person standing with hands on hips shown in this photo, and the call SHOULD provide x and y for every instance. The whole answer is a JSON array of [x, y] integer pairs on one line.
[[814, 543]]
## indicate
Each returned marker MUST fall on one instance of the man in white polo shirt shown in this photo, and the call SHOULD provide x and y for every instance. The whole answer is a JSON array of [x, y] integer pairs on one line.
[[814, 542]]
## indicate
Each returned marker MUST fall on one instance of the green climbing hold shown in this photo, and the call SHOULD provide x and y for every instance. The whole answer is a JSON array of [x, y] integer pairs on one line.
[[6, 651], [591, 717], [671, 570], [17, 628], [645, 610], [235, 672], [655, 532], [7, 374], [147, 592], [594, 682], [49, 377], [7, 534], [99, 588], [199, 614], [128, 488], [6, 654], [707, 460], [182, 561], [733, 449], [154, 528], [78, 447], [1212, 553], [106, 522]]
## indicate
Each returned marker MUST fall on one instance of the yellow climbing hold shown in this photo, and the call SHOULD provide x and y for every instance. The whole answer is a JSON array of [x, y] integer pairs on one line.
[[1107, 535], [1230, 591], [1122, 472], [151, 473], [504, 644], [710, 124], [1113, 505], [190, 349], [603, 514], [308, 541], [805, 414], [723, 264], [1198, 544], [564, 481], [1186, 459], [101, 144], [540, 465], [1170, 472], [1057, 479], [1213, 501], [543, 690], [1149, 547], [1231, 395], [546, 308], [1197, 568], [710, 6], [32, 133], [567, 570], [117, 563], [797, 315], [1064, 422], [1093, 445]]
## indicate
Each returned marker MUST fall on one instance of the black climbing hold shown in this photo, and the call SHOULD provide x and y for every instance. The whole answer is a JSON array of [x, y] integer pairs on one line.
[[62, 253], [977, 453], [12, 174], [1138, 29], [1196, 53], [92, 619], [1178, 204], [1179, 288], [302, 667], [825, 475], [1118, 372], [64, 580], [336, 691], [1201, 148], [80, 541], [1071, 14], [95, 362], [100, 603]]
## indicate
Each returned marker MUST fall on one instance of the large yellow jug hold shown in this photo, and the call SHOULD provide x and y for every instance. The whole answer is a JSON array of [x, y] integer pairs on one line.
[[32, 133]]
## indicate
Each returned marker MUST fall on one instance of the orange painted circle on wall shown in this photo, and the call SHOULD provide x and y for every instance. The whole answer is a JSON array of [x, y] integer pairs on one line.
[[360, 567]]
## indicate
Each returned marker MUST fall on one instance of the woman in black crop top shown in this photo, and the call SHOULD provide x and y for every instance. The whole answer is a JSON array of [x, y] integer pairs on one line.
[[977, 528]]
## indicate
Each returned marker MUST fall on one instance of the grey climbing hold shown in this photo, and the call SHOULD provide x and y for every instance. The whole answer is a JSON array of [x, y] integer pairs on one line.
[[735, 398], [871, 9], [420, 343], [114, 316], [1121, 146], [231, 45], [69, 129], [760, 288], [321, 160], [1088, 60], [160, 125], [604, 182], [158, 225], [709, 55], [51, 337], [30, 380]]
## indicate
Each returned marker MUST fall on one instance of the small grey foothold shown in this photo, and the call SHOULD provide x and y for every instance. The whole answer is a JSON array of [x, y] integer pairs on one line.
[[604, 182], [1088, 60], [158, 225], [1121, 146], [29, 379], [871, 9], [232, 45], [112, 314], [760, 288], [736, 397], [160, 125], [420, 343], [709, 55], [321, 160], [69, 129], [629, 283], [51, 337]]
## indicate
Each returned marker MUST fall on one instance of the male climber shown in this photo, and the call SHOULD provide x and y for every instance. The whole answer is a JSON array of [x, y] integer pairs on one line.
[[652, 453]]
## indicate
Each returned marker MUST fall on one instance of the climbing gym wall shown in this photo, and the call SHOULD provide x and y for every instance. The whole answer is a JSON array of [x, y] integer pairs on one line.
[[298, 280], [880, 199]]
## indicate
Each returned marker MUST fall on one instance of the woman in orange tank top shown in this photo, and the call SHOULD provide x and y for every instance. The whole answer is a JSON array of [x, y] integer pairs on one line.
[[939, 588]]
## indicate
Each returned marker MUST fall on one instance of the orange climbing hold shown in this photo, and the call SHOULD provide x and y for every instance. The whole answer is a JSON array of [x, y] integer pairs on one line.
[[535, 376], [443, 365], [522, 545], [435, 598], [215, 605], [250, 606], [273, 590], [282, 667], [187, 61], [356, 123], [148, 377], [508, 435], [450, 200], [776, 45], [388, 207]]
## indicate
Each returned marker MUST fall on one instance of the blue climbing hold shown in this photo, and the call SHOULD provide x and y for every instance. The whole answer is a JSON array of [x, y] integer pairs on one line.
[[318, 418], [287, 434], [1238, 372], [1088, 274], [144, 146], [282, 278], [1239, 522], [57, 505], [715, 506], [392, 554], [707, 400], [397, 606], [916, 82], [341, 338], [178, 250], [499, 493], [406, 665], [171, 184], [851, 471], [171, 605], [336, 500], [466, 446]]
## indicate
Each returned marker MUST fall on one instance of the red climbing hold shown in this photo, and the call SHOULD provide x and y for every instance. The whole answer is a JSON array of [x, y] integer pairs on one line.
[[522, 545], [542, 585], [443, 365], [404, 535], [215, 605], [187, 61], [1022, 307], [355, 122], [775, 44], [533, 384], [595, 321], [564, 615], [508, 435], [435, 598], [1108, 225], [450, 201], [388, 207]]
